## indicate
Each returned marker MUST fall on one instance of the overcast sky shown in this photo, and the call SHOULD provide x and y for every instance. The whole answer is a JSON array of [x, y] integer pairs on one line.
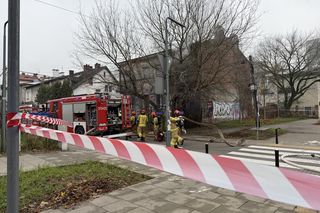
[[47, 33]]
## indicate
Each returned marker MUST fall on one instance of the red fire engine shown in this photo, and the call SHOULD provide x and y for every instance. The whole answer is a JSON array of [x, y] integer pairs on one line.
[[93, 113]]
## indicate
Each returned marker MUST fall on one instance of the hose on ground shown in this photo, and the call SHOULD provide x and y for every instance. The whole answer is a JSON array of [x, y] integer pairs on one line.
[[220, 133], [310, 168]]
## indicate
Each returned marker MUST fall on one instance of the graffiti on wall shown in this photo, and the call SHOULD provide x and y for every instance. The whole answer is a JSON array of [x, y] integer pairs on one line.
[[225, 110]]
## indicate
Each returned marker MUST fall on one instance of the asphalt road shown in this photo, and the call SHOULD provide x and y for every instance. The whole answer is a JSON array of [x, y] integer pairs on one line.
[[301, 136]]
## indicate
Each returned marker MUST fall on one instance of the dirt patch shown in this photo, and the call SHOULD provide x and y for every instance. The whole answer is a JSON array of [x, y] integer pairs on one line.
[[75, 192]]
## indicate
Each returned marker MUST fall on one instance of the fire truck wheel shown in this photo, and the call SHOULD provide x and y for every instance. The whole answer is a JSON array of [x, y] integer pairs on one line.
[[79, 130]]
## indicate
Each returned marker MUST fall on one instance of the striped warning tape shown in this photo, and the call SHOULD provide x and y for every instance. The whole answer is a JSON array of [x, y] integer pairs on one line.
[[261, 180], [13, 119]]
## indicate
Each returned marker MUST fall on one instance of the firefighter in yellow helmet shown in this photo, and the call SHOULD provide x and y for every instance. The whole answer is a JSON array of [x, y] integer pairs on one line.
[[176, 139], [142, 125], [133, 121], [156, 125]]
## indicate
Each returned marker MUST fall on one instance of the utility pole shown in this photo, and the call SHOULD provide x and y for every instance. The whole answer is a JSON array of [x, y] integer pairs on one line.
[[166, 70], [4, 90], [13, 105], [254, 89]]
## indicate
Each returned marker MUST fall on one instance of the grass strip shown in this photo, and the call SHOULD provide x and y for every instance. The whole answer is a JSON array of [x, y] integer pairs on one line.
[[252, 134]]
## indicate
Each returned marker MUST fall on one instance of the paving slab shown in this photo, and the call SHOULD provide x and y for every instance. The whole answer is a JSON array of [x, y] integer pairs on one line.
[[87, 209], [178, 198], [203, 205], [104, 200], [140, 210], [53, 211], [255, 207], [227, 209], [153, 203], [232, 202], [121, 206]]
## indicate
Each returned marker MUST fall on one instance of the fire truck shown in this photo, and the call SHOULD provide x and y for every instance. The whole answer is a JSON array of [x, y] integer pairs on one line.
[[93, 114]]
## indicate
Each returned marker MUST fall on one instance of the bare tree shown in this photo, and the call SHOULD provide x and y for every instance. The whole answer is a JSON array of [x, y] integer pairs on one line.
[[109, 36], [213, 28], [292, 62]]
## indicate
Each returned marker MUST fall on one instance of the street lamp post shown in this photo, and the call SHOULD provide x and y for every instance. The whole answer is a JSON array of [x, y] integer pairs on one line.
[[166, 69], [254, 89], [4, 90]]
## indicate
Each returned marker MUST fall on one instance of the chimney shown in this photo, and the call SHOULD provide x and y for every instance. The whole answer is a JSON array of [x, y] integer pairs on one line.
[[87, 68], [71, 72], [97, 66], [55, 73]]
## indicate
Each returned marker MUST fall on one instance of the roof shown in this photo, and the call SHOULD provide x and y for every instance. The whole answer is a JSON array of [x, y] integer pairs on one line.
[[76, 79], [141, 58]]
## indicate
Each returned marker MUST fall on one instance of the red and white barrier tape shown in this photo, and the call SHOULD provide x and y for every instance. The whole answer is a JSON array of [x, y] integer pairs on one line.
[[264, 181], [13, 119]]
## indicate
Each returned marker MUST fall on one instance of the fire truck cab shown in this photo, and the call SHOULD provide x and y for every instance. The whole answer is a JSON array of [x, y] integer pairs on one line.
[[93, 113]]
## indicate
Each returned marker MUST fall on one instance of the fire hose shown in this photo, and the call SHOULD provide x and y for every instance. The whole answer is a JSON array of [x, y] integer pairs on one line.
[[220, 133], [285, 159]]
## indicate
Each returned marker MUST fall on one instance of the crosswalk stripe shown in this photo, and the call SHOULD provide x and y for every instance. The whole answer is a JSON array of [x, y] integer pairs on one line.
[[272, 157], [298, 160], [258, 161], [271, 151], [265, 155], [285, 149], [250, 155]]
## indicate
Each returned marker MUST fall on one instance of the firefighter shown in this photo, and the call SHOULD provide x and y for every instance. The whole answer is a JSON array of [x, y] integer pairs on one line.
[[156, 126], [133, 121], [176, 139], [142, 125]]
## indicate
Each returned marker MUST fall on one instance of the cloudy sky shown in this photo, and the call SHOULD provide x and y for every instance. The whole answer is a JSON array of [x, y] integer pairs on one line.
[[47, 33]]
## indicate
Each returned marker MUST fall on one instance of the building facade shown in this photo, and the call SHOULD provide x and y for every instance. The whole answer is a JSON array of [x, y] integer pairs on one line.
[[228, 89]]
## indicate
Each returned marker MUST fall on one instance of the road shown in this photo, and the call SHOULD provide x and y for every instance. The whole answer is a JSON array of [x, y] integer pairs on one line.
[[301, 136]]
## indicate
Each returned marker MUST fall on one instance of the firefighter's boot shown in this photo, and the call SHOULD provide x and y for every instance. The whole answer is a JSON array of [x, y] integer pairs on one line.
[[181, 142]]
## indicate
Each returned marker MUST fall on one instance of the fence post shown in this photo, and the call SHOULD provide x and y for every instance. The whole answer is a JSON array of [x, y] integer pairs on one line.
[[207, 148]]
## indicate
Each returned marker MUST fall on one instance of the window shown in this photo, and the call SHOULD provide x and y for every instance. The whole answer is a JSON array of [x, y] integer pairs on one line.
[[307, 111], [110, 88], [55, 106]]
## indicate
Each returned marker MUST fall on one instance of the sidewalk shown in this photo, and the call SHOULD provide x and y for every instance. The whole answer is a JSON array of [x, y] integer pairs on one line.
[[164, 193], [302, 133]]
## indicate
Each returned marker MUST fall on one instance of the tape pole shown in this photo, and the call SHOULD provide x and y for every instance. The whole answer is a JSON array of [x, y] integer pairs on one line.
[[13, 105]]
